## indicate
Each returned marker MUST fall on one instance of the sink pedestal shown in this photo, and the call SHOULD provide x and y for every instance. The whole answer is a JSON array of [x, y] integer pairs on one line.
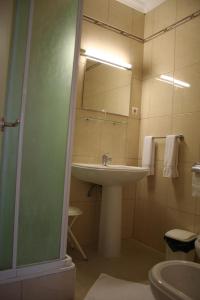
[[111, 177], [110, 221]]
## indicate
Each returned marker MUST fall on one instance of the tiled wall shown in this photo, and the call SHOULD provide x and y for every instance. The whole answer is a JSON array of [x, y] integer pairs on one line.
[[93, 138], [163, 203]]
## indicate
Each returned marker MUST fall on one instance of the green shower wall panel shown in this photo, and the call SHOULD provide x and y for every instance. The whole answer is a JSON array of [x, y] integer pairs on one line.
[[10, 135], [45, 130]]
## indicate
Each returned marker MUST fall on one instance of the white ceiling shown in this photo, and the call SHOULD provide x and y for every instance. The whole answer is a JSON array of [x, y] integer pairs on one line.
[[142, 5]]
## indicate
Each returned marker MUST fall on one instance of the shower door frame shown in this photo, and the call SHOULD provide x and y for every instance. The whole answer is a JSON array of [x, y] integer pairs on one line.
[[64, 262]]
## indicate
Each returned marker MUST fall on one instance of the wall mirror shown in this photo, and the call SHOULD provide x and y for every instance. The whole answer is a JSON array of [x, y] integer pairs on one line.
[[106, 88]]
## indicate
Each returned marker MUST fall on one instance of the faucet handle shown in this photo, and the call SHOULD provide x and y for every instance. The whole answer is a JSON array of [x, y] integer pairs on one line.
[[106, 159]]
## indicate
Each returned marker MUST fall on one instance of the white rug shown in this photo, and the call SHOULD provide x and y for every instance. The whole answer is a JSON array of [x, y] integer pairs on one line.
[[110, 288]]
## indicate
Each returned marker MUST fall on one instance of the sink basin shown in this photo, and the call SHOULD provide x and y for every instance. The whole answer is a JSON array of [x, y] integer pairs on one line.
[[108, 175], [111, 178], [175, 279]]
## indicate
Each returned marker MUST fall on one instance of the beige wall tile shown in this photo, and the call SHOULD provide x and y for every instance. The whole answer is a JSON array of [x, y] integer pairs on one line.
[[160, 126], [178, 219], [148, 24], [138, 23], [87, 137], [188, 125], [187, 44], [79, 191], [132, 139], [163, 53], [185, 8], [158, 186], [164, 15], [187, 99], [161, 96], [120, 15], [86, 159], [11, 291], [96, 9], [145, 101], [155, 225], [137, 58], [104, 41], [139, 226], [149, 218], [144, 130], [132, 162], [180, 191], [114, 140], [147, 60], [127, 218], [135, 101], [129, 191]]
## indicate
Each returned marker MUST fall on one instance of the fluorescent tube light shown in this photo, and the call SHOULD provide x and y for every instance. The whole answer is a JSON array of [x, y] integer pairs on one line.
[[102, 59]]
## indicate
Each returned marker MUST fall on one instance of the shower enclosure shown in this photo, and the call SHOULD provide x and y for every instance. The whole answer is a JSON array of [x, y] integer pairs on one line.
[[36, 150]]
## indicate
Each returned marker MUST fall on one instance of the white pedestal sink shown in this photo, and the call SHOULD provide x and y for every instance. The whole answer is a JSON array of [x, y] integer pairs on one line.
[[111, 178]]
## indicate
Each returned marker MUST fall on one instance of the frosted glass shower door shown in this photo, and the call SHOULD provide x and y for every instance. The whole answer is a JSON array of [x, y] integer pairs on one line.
[[34, 156], [13, 36], [45, 133]]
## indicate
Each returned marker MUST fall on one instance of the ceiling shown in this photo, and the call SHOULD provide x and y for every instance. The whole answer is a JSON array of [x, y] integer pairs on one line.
[[142, 5]]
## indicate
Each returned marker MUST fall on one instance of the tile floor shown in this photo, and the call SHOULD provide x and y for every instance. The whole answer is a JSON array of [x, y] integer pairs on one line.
[[133, 265]]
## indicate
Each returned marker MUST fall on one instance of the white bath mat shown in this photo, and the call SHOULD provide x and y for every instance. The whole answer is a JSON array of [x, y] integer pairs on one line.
[[110, 288]]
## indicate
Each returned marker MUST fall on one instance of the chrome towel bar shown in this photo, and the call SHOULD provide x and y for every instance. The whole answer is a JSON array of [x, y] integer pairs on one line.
[[180, 136]]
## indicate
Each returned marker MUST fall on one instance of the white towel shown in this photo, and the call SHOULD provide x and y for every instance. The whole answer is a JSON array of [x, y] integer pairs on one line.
[[171, 156], [148, 156], [196, 184]]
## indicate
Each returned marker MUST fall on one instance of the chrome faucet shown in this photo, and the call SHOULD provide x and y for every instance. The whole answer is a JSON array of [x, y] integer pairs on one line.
[[106, 159]]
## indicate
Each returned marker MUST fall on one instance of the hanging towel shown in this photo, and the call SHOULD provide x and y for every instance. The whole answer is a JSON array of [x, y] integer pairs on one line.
[[171, 156], [148, 156], [196, 184]]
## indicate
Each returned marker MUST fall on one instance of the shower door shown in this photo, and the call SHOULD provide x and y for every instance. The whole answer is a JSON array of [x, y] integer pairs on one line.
[[13, 27], [35, 159]]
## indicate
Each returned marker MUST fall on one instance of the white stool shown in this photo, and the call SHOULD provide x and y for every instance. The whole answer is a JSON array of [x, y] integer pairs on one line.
[[74, 212]]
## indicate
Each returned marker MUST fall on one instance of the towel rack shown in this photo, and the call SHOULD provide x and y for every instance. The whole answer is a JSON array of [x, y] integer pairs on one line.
[[196, 167], [180, 136]]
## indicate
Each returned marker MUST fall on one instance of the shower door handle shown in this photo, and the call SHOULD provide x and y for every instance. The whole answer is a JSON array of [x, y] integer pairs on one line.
[[4, 124]]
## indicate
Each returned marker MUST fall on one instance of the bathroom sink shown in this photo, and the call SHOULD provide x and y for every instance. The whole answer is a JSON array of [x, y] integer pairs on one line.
[[108, 175], [175, 280], [111, 177]]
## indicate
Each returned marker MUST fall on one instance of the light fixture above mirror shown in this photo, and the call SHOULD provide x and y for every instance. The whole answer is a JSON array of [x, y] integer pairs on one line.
[[103, 58]]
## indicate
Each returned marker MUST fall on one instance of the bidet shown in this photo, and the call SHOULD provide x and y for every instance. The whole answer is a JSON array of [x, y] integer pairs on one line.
[[175, 280]]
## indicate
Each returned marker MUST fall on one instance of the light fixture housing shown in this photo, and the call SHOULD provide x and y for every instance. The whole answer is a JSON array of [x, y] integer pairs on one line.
[[89, 54]]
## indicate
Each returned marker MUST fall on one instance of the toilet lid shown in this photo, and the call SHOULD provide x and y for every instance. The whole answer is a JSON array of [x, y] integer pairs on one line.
[[181, 235]]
